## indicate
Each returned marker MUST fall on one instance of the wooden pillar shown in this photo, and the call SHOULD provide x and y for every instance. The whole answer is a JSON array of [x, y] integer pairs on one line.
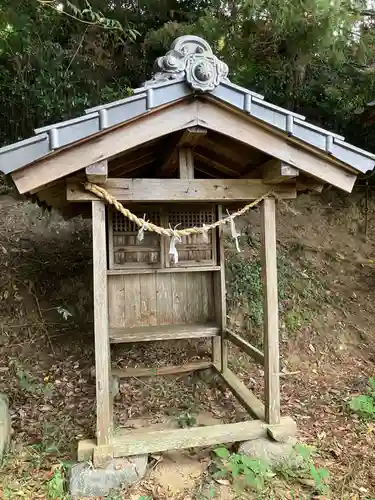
[[104, 405], [220, 346], [270, 311]]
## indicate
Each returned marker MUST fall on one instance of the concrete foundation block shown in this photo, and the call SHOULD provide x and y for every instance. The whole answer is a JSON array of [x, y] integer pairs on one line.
[[270, 452], [85, 450], [5, 425], [86, 482]]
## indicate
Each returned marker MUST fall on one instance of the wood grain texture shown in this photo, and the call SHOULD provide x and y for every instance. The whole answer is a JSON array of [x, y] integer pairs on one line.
[[104, 416], [276, 171], [161, 332], [190, 269], [107, 144], [270, 311], [183, 190], [252, 351], [186, 163], [162, 371], [220, 296], [168, 298], [97, 172], [248, 400], [248, 131], [127, 443]]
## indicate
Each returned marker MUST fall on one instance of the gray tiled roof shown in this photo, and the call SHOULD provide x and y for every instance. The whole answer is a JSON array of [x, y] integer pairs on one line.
[[161, 90]]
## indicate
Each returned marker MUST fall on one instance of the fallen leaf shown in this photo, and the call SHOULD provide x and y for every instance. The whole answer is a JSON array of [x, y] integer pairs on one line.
[[224, 482]]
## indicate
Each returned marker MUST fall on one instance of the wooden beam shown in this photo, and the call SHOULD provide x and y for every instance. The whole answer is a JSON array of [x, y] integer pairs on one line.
[[97, 172], [138, 443], [162, 370], [104, 416], [276, 171], [218, 117], [192, 136], [180, 190], [186, 163], [214, 163], [161, 332], [220, 351], [270, 311], [188, 138], [248, 400], [107, 144], [249, 349], [309, 184]]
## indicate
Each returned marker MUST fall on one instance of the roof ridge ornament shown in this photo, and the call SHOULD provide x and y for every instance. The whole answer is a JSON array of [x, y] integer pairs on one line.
[[191, 59]]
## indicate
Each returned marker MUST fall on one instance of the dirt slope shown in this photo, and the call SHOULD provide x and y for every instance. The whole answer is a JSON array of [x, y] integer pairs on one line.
[[328, 349]]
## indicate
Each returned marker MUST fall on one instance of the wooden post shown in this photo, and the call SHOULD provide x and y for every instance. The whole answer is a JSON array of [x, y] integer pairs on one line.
[[271, 312], [104, 406], [220, 346]]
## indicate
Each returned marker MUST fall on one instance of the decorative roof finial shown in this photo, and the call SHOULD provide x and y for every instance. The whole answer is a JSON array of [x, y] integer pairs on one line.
[[190, 58]]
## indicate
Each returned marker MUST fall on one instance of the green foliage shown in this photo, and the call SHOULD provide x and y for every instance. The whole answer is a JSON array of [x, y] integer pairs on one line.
[[244, 472], [300, 465], [29, 383], [300, 295], [59, 57], [56, 485], [186, 419], [364, 404]]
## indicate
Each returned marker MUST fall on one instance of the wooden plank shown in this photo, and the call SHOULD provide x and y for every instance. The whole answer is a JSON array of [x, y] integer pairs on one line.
[[248, 400], [252, 351], [224, 120], [148, 311], [136, 443], [197, 269], [186, 163], [116, 301], [161, 332], [276, 171], [162, 371], [270, 311], [104, 416], [107, 144], [192, 136], [185, 190], [97, 172]]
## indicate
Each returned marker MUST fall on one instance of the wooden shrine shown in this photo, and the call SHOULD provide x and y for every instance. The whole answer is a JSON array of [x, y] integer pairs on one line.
[[185, 148]]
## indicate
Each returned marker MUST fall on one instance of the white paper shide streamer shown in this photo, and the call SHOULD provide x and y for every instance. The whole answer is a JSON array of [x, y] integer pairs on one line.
[[234, 233], [172, 245], [142, 229]]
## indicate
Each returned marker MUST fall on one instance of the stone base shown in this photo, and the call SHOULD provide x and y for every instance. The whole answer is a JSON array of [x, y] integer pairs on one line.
[[270, 452], [5, 426], [85, 481]]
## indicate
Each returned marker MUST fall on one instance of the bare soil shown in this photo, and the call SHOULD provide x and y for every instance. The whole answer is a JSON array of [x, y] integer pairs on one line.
[[328, 351]]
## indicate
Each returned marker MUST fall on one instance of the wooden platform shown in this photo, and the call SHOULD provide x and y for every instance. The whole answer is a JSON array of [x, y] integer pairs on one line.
[[161, 332]]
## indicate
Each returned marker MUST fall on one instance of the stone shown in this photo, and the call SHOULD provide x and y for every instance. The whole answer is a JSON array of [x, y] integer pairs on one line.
[[5, 425], [87, 482], [270, 452]]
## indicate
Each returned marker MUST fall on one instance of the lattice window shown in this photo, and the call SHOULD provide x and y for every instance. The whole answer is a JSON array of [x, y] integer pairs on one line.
[[122, 224], [125, 250], [195, 249], [190, 218]]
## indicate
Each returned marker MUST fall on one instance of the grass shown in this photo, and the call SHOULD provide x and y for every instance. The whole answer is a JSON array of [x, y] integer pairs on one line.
[[301, 295], [364, 404], [253, 474]]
